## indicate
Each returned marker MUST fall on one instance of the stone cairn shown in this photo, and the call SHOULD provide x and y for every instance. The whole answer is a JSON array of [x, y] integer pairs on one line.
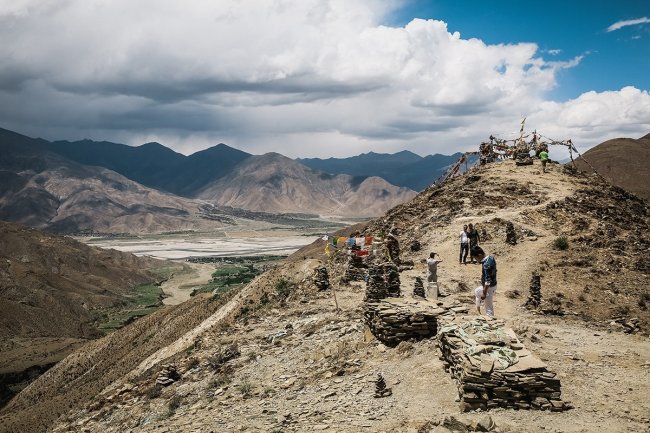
[[418, 290], [511, 235], [416, 246], [392, 245], [167, 375], [483, 386], [380, 387], [392, 320], [535, 296], [376, 284], [356, 269], [321, 278], [392, 280]]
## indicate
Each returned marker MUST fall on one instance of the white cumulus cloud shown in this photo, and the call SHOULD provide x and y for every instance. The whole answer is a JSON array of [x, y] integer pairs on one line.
[[304, 78]]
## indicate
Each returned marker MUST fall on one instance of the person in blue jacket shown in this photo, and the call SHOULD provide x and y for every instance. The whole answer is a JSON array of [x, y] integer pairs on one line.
[[487, 289]]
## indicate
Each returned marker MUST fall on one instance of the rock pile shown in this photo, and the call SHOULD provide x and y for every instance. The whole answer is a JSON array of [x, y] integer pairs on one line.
[[392, 280], [527, 160], [493, 369], [511, 235], [418, 290], [380, 387], [356, 269], [376, 284], [395, 320], [535, 295], [167, 375], [392, 246], [631, 326], [383, 281], [321, 278]]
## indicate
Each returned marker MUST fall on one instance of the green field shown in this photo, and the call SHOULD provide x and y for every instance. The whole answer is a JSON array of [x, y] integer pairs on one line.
[[143, 300], [233, 272]]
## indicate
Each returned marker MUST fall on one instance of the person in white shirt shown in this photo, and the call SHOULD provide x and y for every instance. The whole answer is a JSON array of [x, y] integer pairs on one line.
[[464, 246], [432, 268], [432, 274]]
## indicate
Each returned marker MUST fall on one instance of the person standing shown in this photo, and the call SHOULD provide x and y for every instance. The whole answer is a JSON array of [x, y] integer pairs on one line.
[[474, 241], [432, 268], [432, 274], [464, 246], [487, 289], [543, 156]]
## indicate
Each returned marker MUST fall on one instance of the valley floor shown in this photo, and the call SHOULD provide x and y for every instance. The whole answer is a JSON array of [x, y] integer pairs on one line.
[[181, 246]]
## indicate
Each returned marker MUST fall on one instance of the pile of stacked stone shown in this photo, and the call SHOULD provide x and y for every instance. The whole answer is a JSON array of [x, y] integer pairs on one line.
[[535, 296], [380, 387], [376, 284], [392, 279], [356, 269], [493, 369], [511, 235], [524, 160], [418, 290], [392, 246], [393, 320], [321, 278], [167, 375]]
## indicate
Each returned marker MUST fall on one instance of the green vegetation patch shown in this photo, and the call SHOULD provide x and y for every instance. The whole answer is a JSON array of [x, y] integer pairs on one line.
[[143, 300], [233, 272], [561, 243]]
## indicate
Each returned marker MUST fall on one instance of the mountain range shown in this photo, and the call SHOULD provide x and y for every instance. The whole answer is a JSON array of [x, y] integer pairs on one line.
[[403, 168], [280, 184], [88, 186], [43, 189]]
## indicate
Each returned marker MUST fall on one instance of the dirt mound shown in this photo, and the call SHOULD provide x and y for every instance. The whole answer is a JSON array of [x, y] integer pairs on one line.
[[623, 162]]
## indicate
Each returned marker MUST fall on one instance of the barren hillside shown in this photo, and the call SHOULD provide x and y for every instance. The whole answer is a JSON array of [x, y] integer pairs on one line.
[[275, 183], [281, 357], [47, 191], [622, 161]]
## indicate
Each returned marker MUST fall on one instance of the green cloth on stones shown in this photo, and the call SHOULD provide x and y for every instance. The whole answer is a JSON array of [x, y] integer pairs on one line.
[[481, 336]]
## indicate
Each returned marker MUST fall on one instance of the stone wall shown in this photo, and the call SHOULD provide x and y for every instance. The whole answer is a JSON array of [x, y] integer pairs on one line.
[[393, 320], [493, 369]]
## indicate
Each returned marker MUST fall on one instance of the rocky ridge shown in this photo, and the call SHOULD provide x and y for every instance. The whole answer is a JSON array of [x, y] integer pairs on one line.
[[306, 362]]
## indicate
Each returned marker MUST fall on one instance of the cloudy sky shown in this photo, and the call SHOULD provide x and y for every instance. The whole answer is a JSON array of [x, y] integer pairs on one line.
[[324, 77]]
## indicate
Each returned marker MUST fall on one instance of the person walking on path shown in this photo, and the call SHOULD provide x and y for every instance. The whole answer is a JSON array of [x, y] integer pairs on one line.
[[464, 246], [543, 156], [487, 289], [474, 241]]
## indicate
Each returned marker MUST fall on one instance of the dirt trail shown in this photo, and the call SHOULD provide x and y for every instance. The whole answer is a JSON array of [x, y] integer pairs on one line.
[[514, 267], [179, 287]]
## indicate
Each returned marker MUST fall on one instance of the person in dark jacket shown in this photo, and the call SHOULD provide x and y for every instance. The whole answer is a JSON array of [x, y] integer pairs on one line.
[[474, 241], [487, 289]]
